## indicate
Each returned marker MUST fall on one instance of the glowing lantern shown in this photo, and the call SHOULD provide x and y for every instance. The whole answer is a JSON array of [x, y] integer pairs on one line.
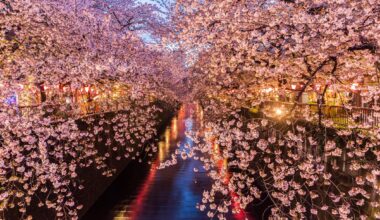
[[354, 86]]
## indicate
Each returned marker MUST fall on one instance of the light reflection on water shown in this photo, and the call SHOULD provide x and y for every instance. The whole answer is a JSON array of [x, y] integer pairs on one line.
[[169, 193], [172, 193]]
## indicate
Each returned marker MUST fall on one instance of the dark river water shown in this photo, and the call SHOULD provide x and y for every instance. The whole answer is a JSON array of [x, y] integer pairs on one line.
[[144, 192]]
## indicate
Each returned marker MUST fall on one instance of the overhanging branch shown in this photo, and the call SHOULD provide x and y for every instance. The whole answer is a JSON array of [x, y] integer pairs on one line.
[[365, 46]]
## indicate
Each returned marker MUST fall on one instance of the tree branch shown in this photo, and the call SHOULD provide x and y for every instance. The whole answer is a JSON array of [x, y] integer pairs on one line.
[[365, 46], [313, 74]]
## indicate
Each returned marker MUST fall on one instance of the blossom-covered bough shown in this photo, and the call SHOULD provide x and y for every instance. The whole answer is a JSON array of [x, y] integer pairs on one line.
[[309, 160], [78, 86]]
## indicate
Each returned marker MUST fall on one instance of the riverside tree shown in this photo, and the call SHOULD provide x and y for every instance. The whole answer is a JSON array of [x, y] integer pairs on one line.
[[305, 164], [50, 43]]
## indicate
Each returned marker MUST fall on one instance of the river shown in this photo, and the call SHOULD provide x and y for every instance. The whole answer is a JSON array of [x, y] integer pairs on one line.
[[144, 192]]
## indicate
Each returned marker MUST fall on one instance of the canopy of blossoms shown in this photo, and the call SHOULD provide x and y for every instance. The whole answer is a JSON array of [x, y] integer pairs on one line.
[[264, 72], [65, 66], [309, 159]]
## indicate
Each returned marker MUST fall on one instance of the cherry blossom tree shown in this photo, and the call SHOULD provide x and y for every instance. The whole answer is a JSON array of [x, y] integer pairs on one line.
[[75, 43], [303, 162], [230, 52]]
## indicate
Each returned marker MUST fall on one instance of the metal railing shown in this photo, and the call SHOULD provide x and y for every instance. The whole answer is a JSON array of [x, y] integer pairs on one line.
[[71, 110], [340, 115]]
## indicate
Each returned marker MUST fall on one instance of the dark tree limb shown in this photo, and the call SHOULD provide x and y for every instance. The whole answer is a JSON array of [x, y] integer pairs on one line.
[[313, 75], [318, 9], [365, 46], [308, 66], [212, 24], [289, 1], [321, 102]]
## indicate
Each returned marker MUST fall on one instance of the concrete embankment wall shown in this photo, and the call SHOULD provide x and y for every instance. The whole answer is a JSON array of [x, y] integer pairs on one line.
[[95, 184]]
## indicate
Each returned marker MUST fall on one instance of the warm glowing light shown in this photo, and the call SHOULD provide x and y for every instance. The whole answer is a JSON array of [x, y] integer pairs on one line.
[[167, 139], [174, 128], [294, 86], [216, 148], [161, 151], [278, 111], [267, 90], [86, 89], [354, 86]]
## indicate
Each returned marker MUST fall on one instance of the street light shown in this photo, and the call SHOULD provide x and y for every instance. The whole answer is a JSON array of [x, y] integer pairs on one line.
[[354, 86], [278, 111]]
